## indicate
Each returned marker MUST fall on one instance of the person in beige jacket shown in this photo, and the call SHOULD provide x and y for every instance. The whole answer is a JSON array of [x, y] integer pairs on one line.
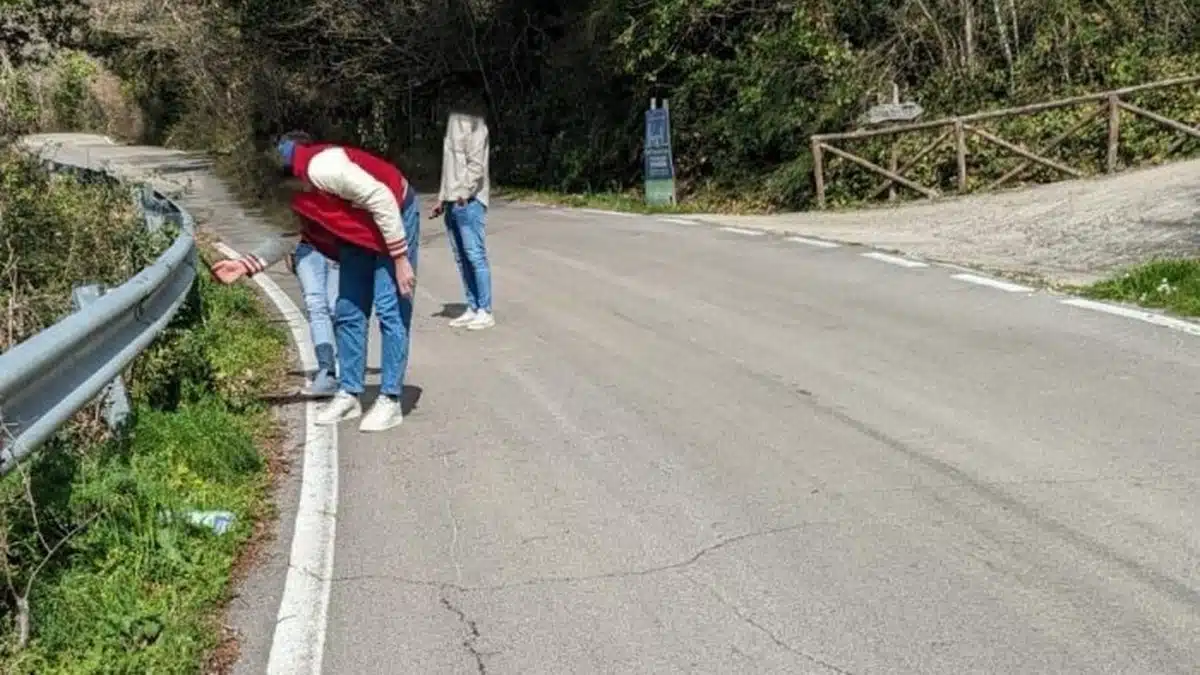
[[463, 198]]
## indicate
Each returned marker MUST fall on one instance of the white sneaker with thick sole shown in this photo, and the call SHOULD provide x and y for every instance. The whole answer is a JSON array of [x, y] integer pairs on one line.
[[384, 415], [463, 319], [344, 406], [482, 320]]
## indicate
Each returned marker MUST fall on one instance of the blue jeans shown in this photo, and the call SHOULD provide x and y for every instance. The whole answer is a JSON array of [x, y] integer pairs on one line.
[[465, 224], [368, 279], [318, 278]]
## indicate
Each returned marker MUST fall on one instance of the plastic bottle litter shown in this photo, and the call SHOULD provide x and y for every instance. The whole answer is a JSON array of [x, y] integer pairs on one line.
[[217, 521]]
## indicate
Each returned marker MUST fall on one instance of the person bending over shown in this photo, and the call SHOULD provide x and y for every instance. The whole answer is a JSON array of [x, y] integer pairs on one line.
[[360, 210]]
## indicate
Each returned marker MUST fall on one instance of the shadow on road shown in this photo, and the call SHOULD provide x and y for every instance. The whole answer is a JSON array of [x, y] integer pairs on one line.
[[408, 399], [450, 310]]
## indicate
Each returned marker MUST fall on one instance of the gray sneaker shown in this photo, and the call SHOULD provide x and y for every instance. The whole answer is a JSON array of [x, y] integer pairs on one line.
[[323, 385]]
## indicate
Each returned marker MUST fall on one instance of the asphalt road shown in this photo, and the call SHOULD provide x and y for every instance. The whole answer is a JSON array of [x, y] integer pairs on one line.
[[689, 450], [684, 449]]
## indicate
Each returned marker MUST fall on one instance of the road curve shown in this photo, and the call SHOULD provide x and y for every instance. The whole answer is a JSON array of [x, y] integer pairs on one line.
[[685, 449], [688, 449]]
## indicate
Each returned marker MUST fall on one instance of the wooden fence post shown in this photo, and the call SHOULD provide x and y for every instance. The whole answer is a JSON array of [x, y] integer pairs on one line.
[[818, 172], [1114, 131], [960, 144], [894, 167]]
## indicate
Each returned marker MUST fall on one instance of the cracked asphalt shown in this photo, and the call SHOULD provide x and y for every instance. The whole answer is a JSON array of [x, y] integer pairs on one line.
[[685, 450]]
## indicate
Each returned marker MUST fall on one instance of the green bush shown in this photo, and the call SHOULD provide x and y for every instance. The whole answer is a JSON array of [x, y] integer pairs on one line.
[[100, 574], [57, 232], [69, 91], [129, 589]]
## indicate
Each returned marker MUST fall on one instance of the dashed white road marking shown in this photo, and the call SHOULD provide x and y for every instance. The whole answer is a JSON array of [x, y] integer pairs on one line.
[[748, 233], [818, 243], [298, 645], [1006, 286], [1141, 315], [602, 212], [894, 260], [680, 221]]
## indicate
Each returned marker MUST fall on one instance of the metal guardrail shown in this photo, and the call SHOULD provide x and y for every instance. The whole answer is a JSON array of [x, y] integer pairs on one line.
[[54, 374]]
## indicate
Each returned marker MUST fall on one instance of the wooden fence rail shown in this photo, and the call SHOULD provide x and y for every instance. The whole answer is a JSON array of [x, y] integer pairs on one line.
[[959, 128]]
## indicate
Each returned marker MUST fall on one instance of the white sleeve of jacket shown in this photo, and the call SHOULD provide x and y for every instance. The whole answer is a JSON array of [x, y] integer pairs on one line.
[[476, 155], [332, 171]]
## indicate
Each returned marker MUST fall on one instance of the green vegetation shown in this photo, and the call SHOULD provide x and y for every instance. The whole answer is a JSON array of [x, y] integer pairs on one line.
[[632, 201], [66, 234], [565, 83], [1173, 285], [101, 572]]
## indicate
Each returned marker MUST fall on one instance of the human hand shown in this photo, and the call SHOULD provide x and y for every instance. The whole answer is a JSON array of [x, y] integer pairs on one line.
[[436, 210], [228, 271], [406, 278]]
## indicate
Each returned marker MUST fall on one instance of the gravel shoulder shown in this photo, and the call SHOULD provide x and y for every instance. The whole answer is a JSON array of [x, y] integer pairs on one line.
[[1072, 232]]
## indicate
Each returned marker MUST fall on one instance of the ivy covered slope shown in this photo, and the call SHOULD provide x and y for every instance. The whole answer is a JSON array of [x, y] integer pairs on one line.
[[101, 571]]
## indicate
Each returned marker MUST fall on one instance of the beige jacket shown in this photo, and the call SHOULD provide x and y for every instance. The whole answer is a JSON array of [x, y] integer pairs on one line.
[[465, 159]]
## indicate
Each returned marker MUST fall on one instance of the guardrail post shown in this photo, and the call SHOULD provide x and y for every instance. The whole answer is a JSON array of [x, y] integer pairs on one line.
[[116, 401]]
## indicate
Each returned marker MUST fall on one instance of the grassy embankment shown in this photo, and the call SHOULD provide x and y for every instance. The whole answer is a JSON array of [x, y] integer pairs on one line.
[[96, 577], [1171, 285]]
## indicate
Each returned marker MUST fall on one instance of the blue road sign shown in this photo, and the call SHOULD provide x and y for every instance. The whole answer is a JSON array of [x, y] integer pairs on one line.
[[658, 164]]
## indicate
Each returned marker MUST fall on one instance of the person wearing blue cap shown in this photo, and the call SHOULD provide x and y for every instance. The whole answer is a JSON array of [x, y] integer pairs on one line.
[[359, 209]]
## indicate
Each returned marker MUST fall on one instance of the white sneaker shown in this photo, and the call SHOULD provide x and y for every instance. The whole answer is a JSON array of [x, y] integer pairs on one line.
[[482, 320], [463, 319], [385, 414], [344, 406]]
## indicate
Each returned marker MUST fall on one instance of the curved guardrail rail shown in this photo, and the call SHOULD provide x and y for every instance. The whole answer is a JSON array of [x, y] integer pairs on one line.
[[52, 375]]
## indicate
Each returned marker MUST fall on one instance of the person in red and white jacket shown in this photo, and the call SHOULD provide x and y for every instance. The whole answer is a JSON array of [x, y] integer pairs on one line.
[[360, 210]]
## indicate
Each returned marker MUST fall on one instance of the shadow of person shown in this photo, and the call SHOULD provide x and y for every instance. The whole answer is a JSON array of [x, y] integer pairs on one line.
[[410, 397], [450, 310]]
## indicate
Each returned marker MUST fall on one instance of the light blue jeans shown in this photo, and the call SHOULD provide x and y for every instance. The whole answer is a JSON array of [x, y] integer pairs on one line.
[[318, 278], [368, 281], [465, 225]]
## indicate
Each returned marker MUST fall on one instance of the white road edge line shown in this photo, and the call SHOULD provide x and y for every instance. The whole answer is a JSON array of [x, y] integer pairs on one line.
[[894, 260], [680, 221], [602, 212], [819, 243], [1007, 286], [739, 230], [1141, 315], [298, 645]]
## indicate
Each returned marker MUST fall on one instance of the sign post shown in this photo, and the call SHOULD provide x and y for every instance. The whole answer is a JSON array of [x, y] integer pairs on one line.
[[658, 164], [891, 114]]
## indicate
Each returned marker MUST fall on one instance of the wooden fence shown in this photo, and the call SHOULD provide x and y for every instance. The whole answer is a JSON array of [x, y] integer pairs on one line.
[[957, 129]]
